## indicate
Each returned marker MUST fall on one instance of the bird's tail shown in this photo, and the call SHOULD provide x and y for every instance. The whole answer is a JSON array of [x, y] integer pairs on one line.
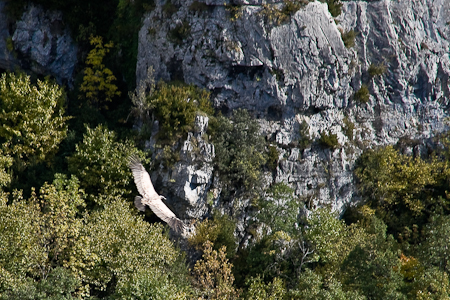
[[138, 203]]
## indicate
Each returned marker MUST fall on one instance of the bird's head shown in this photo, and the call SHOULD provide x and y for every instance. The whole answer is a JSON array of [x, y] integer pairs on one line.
[[162, 197]]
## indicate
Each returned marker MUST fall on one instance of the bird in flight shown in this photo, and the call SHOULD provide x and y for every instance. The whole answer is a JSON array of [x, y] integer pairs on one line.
[[149, 197]]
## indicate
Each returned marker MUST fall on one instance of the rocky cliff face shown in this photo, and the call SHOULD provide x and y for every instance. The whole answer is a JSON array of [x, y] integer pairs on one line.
[[38, 42], [295, 68]]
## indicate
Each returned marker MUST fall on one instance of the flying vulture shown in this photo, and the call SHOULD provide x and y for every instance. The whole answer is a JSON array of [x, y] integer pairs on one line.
[[149, 196]]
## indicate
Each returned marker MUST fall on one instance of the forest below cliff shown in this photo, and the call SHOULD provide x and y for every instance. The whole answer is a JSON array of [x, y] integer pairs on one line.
[[69, 229]]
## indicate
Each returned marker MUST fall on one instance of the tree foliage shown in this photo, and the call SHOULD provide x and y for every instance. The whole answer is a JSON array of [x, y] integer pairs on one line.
[[276, 15], [100, 161], [349, 38], [403, 190], [36, 237], [435, 249], [279, 210], [374, 267], [329, 140], [175, 107], [219, 230], [98, 81], [259, 290], [363, 94], [32, 118], [240, 150], [312, 286], [125, 251], [213, 275], [328, 235], [49, 246], [77, 237], [334, 7], [6, 161]]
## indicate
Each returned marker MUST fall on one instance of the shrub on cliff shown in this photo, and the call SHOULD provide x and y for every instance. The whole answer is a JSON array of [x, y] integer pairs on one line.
[[349, 38], [329, 140], [334, 7], [240, 151], [377, 69], [175, 107], [362, 95]]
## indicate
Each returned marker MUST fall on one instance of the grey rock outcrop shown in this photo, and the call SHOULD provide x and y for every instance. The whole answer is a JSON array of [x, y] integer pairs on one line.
[[301, 70], [190, 178], [7, 59], [39, 42]]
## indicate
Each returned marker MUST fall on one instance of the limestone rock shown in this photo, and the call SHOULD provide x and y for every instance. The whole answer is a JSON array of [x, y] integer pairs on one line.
[[40, 43], [300, 70], [7, 59], [187, 183]]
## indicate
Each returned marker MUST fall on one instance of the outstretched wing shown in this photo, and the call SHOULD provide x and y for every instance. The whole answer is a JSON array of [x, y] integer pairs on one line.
[[141, 178], [150, 197], [165, 214]]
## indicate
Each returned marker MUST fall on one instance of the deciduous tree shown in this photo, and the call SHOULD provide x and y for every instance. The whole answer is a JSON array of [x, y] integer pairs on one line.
[[100, 161], [31, 117], [98, 81]]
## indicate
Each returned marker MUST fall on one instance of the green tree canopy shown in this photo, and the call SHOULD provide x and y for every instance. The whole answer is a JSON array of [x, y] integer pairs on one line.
[[240, 151], [403, 191], [51, 247], [123, 250], [279, 210], [435, 249], [6, 161], [36, 236], [258, 290], [31, 117], [213, 276], [374, 267], [98, 81], [100, 161]]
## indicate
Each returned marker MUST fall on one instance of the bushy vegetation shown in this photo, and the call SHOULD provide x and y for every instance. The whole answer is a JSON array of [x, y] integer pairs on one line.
[[363, 94], [180, 32], [219, 230], [329, 140], [235, 11], [98, 81], [240, 151], [305, 139], [33, 127], [213, 275], [404, 191], [348, 128], [272, 157], [169, 8], [118, 21], [100, 162], [32, 118], [49, 247], [68, 229], [334, 7], [376, 70], [277, 15], [175, 107], [349, 38]]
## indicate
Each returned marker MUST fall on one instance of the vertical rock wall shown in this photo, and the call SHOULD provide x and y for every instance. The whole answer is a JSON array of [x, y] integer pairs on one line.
[[39, 42], [300, 71]]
